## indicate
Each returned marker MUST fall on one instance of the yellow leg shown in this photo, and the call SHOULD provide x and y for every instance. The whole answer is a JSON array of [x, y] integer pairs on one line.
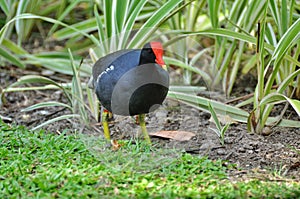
[[144, 129], [105, 117]]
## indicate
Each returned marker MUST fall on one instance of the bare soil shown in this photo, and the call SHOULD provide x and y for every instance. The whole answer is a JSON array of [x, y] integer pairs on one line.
[[279, 152]]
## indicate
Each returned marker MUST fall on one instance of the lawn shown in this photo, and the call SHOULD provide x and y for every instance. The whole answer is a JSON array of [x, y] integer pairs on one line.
[[233, 67], [39, 164]]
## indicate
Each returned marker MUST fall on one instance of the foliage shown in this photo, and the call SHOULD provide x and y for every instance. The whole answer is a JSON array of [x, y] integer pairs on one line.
[[220, 131], [234, 28], [36, 164], [207, 41], [188, 19], [267, 46]]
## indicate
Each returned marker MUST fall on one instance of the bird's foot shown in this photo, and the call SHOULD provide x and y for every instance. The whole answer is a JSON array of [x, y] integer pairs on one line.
[[142, 123], [105, 126]]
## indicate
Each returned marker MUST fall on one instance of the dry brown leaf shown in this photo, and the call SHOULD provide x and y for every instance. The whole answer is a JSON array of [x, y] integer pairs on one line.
[[175, 135], [115, 145]]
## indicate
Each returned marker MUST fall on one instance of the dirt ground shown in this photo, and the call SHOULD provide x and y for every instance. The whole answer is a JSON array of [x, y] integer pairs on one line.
[[278, 152]]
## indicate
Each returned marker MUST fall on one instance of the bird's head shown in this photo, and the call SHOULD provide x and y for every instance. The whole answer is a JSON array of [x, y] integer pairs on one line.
[[153, 53]]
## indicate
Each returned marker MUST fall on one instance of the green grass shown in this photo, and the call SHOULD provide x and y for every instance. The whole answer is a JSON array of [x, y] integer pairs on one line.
[[45, 165]]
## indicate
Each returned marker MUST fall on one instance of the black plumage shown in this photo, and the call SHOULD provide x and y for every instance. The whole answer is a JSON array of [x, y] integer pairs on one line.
[[131, 81]]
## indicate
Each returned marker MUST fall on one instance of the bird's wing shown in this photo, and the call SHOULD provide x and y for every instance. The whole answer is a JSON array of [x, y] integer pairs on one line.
[[103, 63]]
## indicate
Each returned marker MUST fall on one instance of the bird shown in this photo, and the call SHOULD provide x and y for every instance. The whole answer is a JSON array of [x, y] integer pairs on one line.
[[130, 82]]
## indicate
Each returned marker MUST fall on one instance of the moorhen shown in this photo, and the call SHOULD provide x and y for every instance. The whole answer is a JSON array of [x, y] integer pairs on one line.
[[131, 82]]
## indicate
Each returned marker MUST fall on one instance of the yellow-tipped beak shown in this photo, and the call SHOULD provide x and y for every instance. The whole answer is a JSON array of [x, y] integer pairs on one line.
[[164, 67]]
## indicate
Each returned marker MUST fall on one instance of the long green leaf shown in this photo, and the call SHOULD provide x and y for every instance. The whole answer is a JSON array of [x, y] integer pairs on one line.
[[11, 58], [5, 7], [253, 14], [234, 35], [224, 33], [214, 9], [286, 41], [63, 117], [32, 16], [20, 25], [121, 13], [215, 117], [275, 13], [92, 102], [130, 22], [45, 105], [60, 65], [14, 47], [28, 79], [101, 33], [224, 109], [152, 23], [284, 16], [187, 89], [202, 103], [235, 69], [290, 36], [172, 61], [35, 88], [64, 14], [108, 18], [214, 13], [85, 26], [276, 97], [287, 81]]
